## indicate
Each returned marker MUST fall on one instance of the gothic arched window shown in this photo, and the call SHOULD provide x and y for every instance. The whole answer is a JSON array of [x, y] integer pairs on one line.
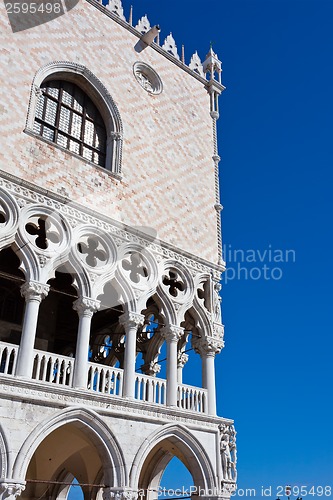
[[67, 116]]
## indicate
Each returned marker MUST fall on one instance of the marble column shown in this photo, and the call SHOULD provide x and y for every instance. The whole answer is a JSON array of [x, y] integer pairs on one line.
[[131, 322], [85, 308], [34, 293], [208, 347], [172, 334]]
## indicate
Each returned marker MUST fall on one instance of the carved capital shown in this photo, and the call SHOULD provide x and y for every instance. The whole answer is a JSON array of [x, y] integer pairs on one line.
[[10, 491], [182, 359], [227, 489], [112, 494], [151, 368], [172, 333], [86, 306], [131, 320], [208, 346], [116, 136], [32, 290]]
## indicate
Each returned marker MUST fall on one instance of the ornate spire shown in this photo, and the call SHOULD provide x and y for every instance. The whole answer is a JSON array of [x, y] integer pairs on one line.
[[116, 7], [196, 64], [212, 65], [143, 24], [170, 46]]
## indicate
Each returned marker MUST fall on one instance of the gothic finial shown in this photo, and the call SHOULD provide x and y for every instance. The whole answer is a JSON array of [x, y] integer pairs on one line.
[[116, 7], [170, 46], [143, 25], [196, 64]]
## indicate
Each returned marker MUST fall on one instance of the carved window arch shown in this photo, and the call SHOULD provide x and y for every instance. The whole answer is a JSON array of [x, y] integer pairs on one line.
[[70, 107]]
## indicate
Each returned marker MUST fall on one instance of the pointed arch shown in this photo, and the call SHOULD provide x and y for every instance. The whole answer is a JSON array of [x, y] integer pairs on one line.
[[155, 454], [4, 455], [94, 88], [108, 447]]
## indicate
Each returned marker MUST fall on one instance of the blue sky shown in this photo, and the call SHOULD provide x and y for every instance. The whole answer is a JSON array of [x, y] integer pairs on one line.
[[275, 139]]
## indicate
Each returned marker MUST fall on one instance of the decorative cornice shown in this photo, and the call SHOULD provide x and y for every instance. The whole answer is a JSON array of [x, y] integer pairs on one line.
[[26, 192], [156, 47], [60, 396]]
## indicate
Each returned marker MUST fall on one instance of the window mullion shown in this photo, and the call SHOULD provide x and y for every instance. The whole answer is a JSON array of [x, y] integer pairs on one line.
[[58, 115], [84, 117]]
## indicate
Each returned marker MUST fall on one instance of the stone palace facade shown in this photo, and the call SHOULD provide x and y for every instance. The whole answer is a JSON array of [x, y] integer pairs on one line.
[[110, 259]]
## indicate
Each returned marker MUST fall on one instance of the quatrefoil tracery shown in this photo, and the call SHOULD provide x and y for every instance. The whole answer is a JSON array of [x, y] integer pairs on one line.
[[174, 282], [45, 232], [136, 267], [92, 251]]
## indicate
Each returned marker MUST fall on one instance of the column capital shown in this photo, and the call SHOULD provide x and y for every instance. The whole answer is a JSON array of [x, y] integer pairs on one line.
[[11, 490], [131, 319], [151, 368], [110, 493], [32, 290], [208, 346], [172, 333], [86, 306], [182, 359]]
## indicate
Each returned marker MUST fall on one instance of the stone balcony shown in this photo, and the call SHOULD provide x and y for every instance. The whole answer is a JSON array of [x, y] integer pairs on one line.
[[54, 373]]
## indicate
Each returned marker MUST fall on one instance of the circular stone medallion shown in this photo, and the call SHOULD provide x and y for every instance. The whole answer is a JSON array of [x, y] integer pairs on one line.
[[147, 78]]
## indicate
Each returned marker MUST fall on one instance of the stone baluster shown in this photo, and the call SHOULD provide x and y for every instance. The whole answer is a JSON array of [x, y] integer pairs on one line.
[[34, 293]]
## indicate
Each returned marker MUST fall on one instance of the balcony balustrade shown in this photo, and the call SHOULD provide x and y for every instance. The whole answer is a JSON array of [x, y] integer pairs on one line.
[[58, 370]]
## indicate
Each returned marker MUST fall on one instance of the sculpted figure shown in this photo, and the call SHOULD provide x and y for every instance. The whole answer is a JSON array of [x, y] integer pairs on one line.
[[228, 452]]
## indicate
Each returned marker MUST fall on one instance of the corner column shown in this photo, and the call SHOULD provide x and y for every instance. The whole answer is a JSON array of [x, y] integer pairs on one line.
[[34, 293], [85, 308], [208, 379], [208, 347], [131, 322], [172, 334]]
